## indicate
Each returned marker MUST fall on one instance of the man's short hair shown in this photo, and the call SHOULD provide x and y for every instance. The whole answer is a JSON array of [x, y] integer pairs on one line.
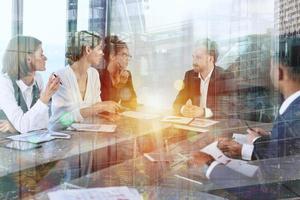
[[288, 55], [211, 47]]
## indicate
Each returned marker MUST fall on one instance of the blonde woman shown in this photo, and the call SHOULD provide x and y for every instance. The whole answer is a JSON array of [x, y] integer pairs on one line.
[[23, 101], [79, 94]]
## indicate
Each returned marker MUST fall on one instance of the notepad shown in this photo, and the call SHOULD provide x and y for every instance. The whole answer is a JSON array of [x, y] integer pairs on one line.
[[139, 115], [93, 127], [108, 193]]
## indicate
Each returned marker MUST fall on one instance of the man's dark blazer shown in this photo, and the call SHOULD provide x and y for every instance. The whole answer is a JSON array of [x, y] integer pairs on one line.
[[284, 142], [191, 90], [285, 135]]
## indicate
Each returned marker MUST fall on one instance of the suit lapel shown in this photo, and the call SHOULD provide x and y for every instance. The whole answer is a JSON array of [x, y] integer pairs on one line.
[[211, 85], [195, 89]]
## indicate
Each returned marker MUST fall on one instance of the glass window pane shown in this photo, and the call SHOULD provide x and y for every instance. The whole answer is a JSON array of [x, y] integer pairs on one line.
[[46, 20]]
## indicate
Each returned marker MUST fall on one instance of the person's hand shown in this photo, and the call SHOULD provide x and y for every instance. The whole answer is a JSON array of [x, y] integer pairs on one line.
[[199, 159], [106, 106], [5, 126], [230, 148], [51, 87], [110, 117], [256, 133], [189, 110], [124, 74]]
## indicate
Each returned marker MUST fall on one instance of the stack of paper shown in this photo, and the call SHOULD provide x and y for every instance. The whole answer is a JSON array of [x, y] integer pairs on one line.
[[238, 165], [109, 193], [139, 115], [93, 127]]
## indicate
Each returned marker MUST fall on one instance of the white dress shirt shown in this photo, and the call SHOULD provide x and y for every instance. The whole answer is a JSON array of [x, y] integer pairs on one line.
[[35, 118], [247, 149], [204, 91], [68, 97], [203, 98]]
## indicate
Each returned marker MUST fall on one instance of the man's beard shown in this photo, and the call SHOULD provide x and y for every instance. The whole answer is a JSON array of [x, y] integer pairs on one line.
[[196, 68]]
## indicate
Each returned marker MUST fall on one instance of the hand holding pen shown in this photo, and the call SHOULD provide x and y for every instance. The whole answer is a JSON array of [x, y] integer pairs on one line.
[[254, 133], [51, 87]]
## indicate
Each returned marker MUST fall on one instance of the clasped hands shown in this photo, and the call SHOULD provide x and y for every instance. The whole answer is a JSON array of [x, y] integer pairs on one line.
[[190, 110]]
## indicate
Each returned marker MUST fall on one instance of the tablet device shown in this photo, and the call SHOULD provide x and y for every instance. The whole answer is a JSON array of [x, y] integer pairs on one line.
[[19, 145]]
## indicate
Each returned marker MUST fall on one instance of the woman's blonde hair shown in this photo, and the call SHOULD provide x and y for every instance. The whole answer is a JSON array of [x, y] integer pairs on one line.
[[15, 56]]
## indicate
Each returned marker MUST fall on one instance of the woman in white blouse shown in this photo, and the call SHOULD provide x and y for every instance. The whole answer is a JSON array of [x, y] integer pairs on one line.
[[79, 95], [23, 102]]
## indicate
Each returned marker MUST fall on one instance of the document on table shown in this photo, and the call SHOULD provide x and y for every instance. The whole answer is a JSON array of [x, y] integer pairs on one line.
[[238, 165], [93, 127], [203, 123], [109, 193], [177, 119], [39, 136], [240, 138], [190, 128], [139, 115], [216, 153]]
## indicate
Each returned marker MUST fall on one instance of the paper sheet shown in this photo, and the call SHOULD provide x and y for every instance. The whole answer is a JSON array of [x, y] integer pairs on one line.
[[177, 119], [109, 193], [238, 165], [94, 127], [240, 138], [216, 153], [203, 123], [139, 115], [190, 128]]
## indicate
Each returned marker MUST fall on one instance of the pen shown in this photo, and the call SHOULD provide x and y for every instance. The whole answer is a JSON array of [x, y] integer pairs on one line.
[[56, 77], [249, 127]]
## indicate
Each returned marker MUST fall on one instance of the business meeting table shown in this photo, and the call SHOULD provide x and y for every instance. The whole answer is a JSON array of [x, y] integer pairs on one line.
[[90, 159]]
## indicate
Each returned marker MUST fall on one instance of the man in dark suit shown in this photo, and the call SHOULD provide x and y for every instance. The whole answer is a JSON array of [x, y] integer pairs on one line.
[[282, 141], [202, 84]]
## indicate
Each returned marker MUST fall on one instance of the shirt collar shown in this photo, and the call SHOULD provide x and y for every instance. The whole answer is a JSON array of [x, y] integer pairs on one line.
[[208, 76], [23, 87], [288, 102]]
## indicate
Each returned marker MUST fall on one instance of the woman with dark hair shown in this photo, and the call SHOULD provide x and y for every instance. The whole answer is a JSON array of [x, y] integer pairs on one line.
[[23, 102], [116, 80], [79, 95]]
